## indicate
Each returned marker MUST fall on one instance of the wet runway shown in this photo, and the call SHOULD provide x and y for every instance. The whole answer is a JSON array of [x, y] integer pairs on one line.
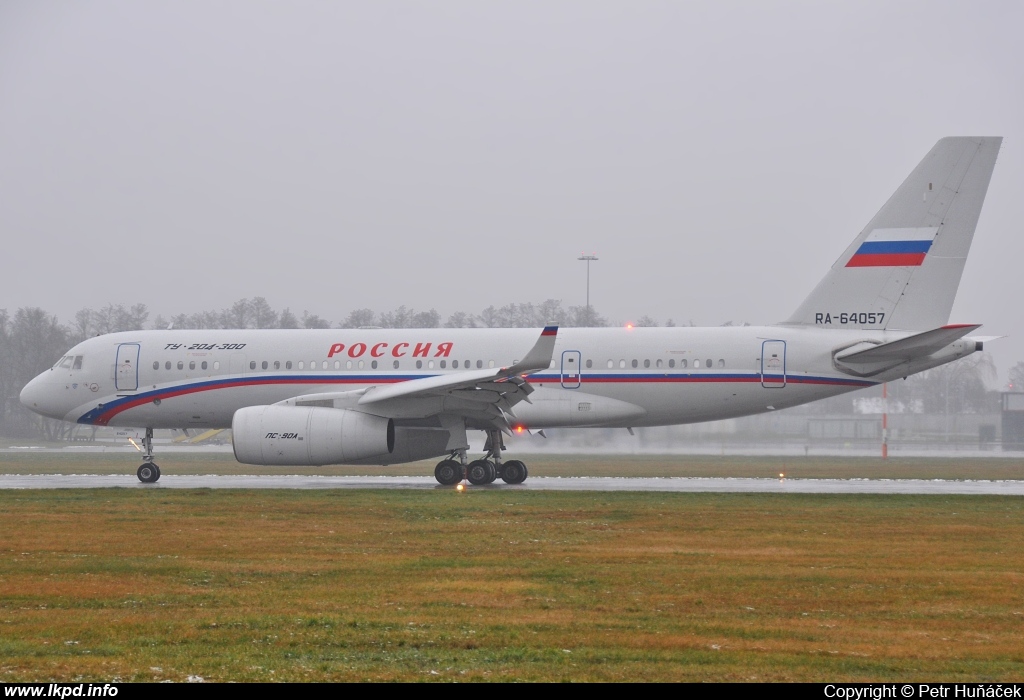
[[665, 484]]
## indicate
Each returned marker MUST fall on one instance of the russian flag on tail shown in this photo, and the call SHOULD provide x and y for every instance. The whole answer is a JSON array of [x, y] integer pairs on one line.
[[894, 247]]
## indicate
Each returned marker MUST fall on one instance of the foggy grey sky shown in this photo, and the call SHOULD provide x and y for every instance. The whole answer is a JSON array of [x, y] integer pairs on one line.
[[718, 157]]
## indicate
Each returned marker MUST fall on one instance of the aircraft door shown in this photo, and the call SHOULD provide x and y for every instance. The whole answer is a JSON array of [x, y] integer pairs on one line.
[[773, 364], [571, 360], [126, 372]]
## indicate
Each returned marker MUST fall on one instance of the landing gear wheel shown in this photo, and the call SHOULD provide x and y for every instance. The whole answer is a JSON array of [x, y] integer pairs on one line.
[[448, 472], [514, 472], [480, 472], [148, 473]]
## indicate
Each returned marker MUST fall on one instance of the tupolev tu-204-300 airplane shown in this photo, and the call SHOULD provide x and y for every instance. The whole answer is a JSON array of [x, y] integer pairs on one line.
[[386, 396]]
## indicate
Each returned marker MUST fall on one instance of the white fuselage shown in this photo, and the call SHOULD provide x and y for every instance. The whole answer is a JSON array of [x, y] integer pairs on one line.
[[625, 377]]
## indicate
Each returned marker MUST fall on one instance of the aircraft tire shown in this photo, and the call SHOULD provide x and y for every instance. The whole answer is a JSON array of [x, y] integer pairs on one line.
[[480, 472], [148, 473], [448, 472], [514, 472]]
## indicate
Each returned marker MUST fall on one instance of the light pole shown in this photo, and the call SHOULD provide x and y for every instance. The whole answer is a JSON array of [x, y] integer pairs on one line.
[[588, 258]]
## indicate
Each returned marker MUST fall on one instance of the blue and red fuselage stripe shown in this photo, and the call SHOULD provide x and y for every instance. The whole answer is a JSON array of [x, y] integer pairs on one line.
[[103, 413]]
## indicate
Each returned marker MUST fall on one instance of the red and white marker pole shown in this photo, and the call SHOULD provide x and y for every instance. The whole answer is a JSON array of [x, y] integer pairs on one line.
[[885, 420]]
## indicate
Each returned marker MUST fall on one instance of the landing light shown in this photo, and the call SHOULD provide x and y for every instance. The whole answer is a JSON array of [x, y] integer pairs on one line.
[[132, 441], [519, 429], [629, 326], [460, 488]]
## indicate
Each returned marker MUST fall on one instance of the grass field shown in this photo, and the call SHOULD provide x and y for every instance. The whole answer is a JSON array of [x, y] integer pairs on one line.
[[435, 585], [814, 467]]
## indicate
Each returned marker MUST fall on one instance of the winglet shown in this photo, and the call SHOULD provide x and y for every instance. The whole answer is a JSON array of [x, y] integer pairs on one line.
[[539, 356]]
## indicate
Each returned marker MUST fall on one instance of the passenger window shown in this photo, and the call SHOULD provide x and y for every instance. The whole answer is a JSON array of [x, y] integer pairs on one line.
[[373, 365], [634, 364], [709, 363], [647, 363], [337, 364], [348, 364], [682, 363], [265, 364], [455, 364], [216, 364], [302, 365], [430, 364], [490, 363], [479, 364], [181, 365], [288, 364], [672, 364], [419, 364], [611, 363], [192, 364], [590, 363], [204, 365], [325, 364], [658, 364], [362, 364], [622, 364], [395, 364], [721, 363], [156, 365], [443, 363], [277, 364], [78, 362], [167, 365]]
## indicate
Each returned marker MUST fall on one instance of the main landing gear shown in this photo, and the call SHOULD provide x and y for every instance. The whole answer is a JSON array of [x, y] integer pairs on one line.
[[481, 471], [149, 472]]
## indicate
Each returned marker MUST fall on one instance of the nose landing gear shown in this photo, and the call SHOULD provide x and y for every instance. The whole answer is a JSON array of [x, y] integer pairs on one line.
[[149, 472]]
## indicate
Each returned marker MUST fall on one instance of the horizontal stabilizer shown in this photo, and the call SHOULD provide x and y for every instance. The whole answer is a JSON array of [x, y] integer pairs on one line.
[[909, 348]]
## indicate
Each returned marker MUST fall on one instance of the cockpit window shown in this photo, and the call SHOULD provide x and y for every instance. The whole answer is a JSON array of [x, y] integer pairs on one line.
[[78, 362], [65, 362]]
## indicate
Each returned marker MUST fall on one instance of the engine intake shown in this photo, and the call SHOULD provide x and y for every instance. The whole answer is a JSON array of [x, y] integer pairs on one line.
[[309, 436]]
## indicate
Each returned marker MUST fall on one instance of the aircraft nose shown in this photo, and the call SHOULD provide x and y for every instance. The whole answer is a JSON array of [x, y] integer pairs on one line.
[[39, 397]]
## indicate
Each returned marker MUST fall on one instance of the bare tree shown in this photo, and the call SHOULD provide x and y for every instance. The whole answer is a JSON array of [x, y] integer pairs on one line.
[[287, 320], [1017, 377], [34, 342], [263, 315], [426, 319], [585, 317], [314, 321], [460, 319], [238, 316], [359, 318]]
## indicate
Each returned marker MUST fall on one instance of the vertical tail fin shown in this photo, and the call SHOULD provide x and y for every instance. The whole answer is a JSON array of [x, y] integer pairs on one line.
[[903, 270]]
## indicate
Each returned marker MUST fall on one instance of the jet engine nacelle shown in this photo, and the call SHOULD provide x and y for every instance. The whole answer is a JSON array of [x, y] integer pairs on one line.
[[309, 436]]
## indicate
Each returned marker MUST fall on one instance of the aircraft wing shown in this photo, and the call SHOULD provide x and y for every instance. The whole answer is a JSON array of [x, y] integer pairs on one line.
[[488, 394], [538, 358], [909, 348]]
